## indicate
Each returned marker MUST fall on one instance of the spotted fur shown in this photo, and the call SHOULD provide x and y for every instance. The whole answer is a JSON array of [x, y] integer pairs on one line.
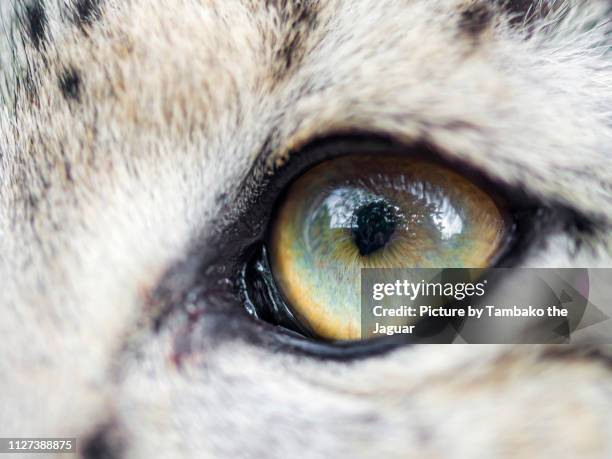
[[128, 126]]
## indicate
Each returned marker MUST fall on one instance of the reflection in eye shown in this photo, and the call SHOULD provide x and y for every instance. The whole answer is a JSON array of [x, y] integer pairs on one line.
[[374, 212]]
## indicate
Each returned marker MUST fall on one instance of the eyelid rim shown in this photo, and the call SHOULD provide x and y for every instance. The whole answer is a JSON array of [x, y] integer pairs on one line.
[[262, 189]]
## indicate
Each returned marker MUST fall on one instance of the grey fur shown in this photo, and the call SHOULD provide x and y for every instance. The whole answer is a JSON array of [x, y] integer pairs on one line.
[[102, 194]]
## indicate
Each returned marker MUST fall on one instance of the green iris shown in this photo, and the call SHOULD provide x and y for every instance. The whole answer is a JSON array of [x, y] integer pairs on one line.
[[375, 212]]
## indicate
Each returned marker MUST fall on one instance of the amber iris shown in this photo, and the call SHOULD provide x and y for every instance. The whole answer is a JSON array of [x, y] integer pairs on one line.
[[374, 211]]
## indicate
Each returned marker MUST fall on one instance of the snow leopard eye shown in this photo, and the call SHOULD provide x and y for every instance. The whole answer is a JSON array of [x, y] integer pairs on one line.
[[374, 212], [354, 206]]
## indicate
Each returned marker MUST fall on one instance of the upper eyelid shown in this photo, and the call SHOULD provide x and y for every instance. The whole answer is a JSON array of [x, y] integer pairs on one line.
[[275, 155], [262, 186], [487, 156], [248, 211]]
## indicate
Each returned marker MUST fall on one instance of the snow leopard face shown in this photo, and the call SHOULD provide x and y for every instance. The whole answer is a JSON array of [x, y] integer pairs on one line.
[[144, 145]]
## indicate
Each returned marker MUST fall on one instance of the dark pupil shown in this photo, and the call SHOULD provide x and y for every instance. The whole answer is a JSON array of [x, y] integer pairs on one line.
[[373, 225]]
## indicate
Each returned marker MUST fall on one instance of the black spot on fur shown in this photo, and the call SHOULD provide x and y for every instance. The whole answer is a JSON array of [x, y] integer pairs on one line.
[[298, 20], [475, 19], [86, 12], [34, 22], [70, 83], [519, 7], [526, 12], [104, 443]]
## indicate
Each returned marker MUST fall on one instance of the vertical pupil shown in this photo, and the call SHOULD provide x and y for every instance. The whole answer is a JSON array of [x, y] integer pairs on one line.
[[373, 225]]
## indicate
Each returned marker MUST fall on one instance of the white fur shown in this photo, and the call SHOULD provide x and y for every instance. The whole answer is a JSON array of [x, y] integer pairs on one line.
[[177, 99]]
